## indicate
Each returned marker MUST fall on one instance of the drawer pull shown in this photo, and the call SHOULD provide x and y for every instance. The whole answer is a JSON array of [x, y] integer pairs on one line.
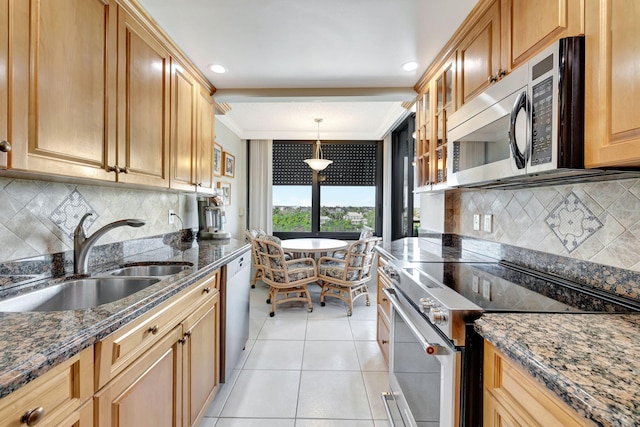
[[206, 290], [33, 416], [153, 329], [385, 341], [5, 146]]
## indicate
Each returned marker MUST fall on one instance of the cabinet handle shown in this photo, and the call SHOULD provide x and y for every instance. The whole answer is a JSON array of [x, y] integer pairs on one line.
[[385, 300], [206, 290], [182, 340], [187, 334], [153, 329], [501, 73], [492, 79], [385, 342], [33, 416], [115, 169], [5, 146], [124, 169]]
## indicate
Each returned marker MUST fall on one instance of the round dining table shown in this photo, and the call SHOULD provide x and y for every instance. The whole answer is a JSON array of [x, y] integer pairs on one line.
[[313, 245]]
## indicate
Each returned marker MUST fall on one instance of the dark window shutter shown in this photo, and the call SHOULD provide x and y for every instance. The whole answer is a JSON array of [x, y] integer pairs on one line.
[[353, 164], [289, 167]]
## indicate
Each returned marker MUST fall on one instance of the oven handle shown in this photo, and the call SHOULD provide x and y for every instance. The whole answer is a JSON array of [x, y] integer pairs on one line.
[[386, 396], [429, 349]]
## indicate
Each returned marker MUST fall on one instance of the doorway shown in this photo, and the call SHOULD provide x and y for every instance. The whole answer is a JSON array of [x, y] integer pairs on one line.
[[403, 206]]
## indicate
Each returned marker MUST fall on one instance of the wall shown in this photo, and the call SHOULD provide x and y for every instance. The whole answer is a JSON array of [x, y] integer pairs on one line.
[[597, 222], [38, 217], [236, 211]]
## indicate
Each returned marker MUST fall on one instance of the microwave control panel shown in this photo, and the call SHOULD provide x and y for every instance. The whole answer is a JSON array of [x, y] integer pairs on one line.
[[541, 122]]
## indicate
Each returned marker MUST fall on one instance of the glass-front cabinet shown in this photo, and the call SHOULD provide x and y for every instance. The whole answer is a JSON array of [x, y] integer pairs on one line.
[[433, 107]]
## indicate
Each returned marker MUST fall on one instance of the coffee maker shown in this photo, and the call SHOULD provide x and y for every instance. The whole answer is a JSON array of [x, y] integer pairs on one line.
[[211, 218]]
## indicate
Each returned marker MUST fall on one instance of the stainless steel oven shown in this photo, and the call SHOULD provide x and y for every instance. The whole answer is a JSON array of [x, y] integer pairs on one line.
[[428, 324], [435, 363]]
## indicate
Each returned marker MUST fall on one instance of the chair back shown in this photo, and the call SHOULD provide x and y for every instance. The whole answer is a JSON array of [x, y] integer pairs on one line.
[[359, 259], [272, 258], [251, 235]]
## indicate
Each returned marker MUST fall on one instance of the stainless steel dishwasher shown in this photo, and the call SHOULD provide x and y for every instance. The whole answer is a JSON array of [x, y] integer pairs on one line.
[[234, 313]]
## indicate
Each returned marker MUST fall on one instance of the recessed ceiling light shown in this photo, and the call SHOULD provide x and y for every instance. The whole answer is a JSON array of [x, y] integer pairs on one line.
[[410, 66], [219, 69]]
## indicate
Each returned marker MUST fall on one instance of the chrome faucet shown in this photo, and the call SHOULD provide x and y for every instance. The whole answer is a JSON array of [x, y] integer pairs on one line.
[[82, 244]]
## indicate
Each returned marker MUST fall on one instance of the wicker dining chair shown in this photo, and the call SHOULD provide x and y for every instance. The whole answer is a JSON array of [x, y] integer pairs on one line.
[[287, 279], [347, 278], [252, 234]]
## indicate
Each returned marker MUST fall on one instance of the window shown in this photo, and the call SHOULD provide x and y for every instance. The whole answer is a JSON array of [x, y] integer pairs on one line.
[[336, 202]]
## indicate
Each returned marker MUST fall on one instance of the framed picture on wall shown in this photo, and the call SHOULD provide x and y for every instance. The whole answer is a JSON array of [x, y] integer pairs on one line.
[[229, 162], [226, 192], [217, 159]]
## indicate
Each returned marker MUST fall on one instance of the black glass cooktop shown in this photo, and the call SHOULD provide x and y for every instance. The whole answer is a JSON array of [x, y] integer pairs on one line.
[[500, 287]]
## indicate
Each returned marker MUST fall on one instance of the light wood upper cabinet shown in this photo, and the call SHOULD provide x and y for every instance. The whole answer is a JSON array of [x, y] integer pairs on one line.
[[479, 56], [4, 73], [205, 138], [612, 80], [62, 87], [531, 25], [143, 105], [183, 129]]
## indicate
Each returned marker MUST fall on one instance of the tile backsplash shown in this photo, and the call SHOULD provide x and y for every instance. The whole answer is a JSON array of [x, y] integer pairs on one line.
[[38, 217], [597, 222]]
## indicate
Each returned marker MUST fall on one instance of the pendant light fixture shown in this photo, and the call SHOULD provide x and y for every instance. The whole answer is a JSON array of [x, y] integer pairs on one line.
[[317, 163]]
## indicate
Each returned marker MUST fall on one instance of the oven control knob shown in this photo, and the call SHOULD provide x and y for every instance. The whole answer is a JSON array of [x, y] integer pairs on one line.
[[426, 304], [438, 316]]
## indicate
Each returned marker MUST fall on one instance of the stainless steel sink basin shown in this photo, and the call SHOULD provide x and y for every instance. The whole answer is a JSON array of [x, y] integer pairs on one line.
[[151, 270], [77, 294]]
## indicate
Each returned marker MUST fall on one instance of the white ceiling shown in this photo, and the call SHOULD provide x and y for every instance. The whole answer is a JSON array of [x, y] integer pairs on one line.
[[290, 61]]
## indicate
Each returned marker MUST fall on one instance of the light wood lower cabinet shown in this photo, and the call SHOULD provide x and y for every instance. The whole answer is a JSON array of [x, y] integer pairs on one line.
[[513, 398], [201, 361], [383, 309], [147, 393], [62, 396], [163, 368]]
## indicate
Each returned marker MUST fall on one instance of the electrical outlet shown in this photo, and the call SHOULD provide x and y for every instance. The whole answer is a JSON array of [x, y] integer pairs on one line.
[[486, 289], [476, 222], [475, 284], [488, 223], [171, 214]]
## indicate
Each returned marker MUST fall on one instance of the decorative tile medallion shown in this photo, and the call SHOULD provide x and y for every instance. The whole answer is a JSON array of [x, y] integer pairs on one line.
[[572, 222], [68, 214]]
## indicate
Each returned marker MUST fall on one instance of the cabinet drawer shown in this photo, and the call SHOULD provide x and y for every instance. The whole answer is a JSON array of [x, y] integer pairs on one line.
[[59, 392], [382, 335], [120, 349], [383, 301], [521, 397]]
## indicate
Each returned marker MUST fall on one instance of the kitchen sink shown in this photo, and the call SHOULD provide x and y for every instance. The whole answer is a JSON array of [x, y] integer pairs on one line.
[[150, 270], [77, 294]]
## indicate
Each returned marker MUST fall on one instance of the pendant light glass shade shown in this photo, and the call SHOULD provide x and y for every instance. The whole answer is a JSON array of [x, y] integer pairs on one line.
[[317, 163]]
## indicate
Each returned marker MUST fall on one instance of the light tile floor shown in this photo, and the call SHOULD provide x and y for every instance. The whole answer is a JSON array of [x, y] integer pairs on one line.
[[299, 369]]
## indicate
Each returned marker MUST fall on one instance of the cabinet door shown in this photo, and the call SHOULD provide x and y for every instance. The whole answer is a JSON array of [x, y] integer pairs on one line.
[[205, 138], [149, 392], [444, 88], [63, 70], [183, 137], [201, 361], [479, 56], [530, 26], [143, 105], [612, 80], [4, 73]]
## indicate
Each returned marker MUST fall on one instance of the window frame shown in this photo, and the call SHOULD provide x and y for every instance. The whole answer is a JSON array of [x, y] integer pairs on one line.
[[315, 197]]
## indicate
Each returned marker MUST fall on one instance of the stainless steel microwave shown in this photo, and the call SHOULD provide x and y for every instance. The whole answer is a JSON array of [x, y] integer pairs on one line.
[[529, 124]]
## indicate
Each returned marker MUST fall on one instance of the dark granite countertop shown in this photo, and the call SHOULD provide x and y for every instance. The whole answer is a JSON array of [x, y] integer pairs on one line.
[[589, 360], [34, 342]]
